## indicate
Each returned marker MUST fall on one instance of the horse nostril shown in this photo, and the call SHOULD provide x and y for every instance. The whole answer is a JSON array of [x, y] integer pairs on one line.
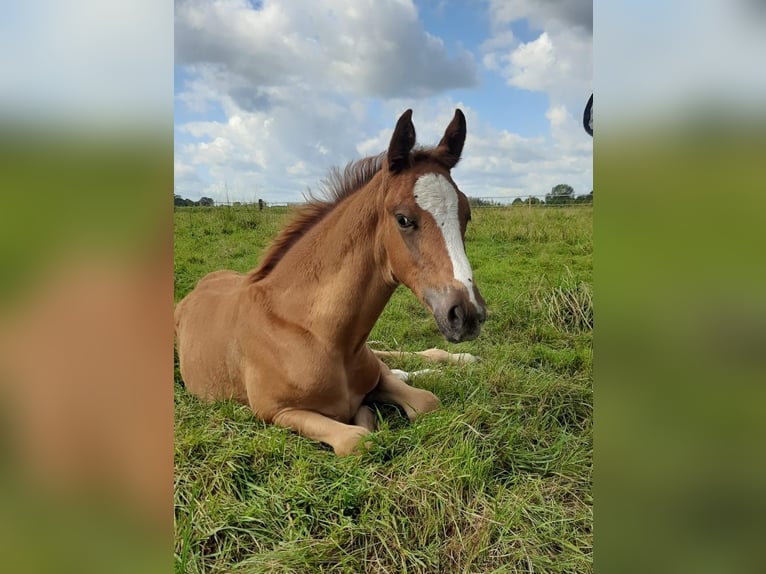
[[456, 315]]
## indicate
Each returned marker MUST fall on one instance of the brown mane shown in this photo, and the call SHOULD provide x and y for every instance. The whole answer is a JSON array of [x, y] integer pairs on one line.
[[337, 186]]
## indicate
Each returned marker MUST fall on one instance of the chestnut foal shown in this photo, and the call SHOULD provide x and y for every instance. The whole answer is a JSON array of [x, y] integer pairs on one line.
[[289, 338]]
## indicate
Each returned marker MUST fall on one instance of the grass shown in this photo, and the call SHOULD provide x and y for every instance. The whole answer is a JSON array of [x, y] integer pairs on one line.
[[497, 480], [567, 305]]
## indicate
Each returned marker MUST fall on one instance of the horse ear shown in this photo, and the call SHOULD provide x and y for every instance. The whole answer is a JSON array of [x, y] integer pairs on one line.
[[401, 144], [451, 145]]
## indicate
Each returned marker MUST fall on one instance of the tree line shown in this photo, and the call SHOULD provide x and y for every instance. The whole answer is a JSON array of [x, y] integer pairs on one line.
[[561, 194], [179, 201]]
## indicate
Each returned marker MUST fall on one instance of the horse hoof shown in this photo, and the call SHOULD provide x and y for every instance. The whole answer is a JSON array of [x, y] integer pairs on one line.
[[351, 444], [464, 358]]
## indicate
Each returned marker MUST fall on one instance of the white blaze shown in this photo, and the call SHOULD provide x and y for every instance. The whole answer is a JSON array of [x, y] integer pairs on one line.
[[436, 195]]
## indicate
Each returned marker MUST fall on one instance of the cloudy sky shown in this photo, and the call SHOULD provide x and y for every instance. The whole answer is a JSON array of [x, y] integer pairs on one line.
[[269, 95]]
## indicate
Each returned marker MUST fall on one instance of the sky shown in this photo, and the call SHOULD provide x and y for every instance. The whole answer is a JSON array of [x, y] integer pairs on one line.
[[269, 95]]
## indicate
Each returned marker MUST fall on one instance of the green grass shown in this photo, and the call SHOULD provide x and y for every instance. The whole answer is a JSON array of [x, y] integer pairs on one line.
[[497, 480]]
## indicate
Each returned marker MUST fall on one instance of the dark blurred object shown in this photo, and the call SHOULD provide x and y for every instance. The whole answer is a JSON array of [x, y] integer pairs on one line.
[[587, 117]]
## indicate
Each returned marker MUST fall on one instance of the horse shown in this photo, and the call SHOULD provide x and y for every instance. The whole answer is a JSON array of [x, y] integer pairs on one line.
[[289, 338]]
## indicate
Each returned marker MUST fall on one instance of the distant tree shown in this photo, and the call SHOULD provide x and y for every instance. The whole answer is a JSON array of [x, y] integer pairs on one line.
[[179, 201], [517, 201], [205, 202], [585, 198], [535, 201], [480, 202], [560, 194]]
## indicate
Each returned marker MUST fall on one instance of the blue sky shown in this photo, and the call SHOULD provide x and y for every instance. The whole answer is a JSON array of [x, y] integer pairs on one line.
[[270, 95]]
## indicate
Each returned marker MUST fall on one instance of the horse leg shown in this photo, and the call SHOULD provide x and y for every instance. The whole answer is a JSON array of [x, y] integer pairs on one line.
[[364, 417], [405, 376], [391, 389], [343, 438], [430, 355]]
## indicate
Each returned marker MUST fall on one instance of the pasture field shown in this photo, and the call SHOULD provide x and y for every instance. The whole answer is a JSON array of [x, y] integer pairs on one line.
[[497, 480]]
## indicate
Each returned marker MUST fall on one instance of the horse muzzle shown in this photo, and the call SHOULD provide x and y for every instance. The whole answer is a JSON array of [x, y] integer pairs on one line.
[[458, 318]]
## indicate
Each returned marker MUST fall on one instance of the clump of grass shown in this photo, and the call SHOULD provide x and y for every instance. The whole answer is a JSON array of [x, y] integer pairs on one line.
[[567, 305]]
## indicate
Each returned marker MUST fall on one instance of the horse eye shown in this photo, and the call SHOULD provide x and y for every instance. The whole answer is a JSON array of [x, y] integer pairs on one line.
[[404, 222]]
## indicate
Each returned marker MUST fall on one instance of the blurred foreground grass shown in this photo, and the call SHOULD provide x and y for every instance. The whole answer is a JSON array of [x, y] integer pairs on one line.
[[85, 351], [681, 348]]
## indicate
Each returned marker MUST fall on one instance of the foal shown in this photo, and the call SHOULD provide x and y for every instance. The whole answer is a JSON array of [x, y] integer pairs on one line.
[[290, 337]]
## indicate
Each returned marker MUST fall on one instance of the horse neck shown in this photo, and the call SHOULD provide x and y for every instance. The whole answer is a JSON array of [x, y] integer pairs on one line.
[[333, 281]]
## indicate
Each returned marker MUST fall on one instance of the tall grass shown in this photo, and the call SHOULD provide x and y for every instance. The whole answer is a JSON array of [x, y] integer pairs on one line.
[[497, 480], [567, 305]]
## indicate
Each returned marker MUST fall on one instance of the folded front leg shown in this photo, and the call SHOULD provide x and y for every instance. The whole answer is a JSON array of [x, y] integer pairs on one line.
[[391, 389], [343, 438]]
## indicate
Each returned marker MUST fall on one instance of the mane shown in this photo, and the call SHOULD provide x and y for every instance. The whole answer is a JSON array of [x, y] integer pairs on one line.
[[337, 186], [334, 188]]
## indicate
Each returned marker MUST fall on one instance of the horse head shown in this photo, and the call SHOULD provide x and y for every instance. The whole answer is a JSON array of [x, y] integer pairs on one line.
[[424, 220]]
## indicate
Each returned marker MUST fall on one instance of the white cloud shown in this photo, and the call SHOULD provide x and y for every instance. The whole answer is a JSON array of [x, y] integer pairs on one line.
[[531, 65], [559, 63], [370, 48], [298, 168], [500, 41], [292, 84], [557, 116], [544, 13], [496, 163], [376, 144], [293, 80], [499, 163]]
